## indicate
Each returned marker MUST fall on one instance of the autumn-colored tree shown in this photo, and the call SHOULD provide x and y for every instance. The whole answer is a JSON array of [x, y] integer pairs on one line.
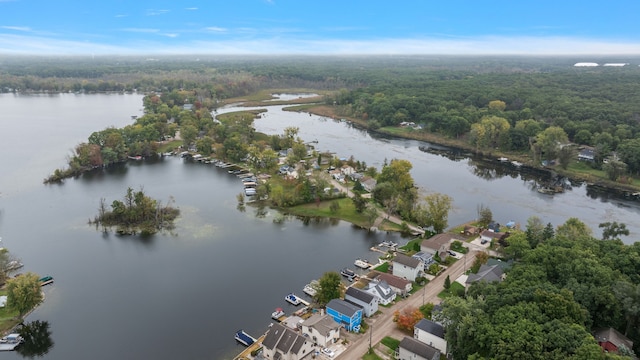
[[407, 318], [498, 105]]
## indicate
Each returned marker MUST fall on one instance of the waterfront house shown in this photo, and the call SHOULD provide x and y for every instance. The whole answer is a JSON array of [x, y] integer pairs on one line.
[[381, 290], [438, 243], [488, 236], [487, 273], [345, 313], [430, 333], [281, 343], [368, 183], [368, 302], [322, 329], [407, 267], [611, 340], [399, 285], [412, 349], [587, 154], [347, 170]]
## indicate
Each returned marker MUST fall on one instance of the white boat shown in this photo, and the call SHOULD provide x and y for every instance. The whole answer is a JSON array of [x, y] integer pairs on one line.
[[310, 288], [390, 244], [503, 159], [10, 342], [292, 299], [363, 264], [277, 314], [244, 338], [516, 163]]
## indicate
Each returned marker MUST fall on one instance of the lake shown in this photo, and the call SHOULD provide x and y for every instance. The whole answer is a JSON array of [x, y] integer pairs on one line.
[[185, 293]]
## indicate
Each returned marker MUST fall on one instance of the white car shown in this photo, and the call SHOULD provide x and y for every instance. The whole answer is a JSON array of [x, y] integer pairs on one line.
[[328, 352]]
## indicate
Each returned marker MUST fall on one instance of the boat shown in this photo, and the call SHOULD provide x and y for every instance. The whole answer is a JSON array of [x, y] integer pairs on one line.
[[46, 280], [363, 264], [277, 314], [245, 339], [310, 288], [390, 244], [516, 163], [348, 273], [292, 299], [10, 342], [503, 159], [13, 265]]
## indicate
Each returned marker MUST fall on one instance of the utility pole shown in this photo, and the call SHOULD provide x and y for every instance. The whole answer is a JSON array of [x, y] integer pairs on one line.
[[370, 334]]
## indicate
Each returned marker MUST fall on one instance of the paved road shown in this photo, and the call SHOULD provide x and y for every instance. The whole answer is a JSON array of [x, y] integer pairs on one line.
[[382, 324]]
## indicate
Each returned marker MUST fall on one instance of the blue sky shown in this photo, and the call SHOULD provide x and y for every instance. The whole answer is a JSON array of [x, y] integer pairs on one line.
[[563, 27]]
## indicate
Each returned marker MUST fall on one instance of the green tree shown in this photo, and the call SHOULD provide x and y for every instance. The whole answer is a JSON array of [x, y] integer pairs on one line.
[[485, 216], [550, 140], [359, 202], [613, 230], [534, 231], [629, 152], [497, 105], [614, 169], [437, 211], [24, 293], [447, 283], [490, 132], [328, 288], [517, 245]]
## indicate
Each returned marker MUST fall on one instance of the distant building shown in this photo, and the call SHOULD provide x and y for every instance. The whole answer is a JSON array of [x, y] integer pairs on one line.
[[585, 64]]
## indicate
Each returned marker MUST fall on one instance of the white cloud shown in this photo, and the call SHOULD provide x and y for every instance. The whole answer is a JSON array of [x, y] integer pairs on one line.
[[121, 15], [16, 28], [191, 8], [490, 45], [216, 29], [153, 12]]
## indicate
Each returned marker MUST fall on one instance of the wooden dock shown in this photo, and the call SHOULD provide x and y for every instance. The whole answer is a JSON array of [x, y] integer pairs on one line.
[[246, 353]]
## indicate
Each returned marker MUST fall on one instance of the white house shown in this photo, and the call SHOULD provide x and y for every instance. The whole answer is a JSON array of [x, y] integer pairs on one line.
[[412, 349], [382, 290], [282, 343], [430, 333], [322, 329], [407, 267], [368, 302], [399, 285], [347, 170]]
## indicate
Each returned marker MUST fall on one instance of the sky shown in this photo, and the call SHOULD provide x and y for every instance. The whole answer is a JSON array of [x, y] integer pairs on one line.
[[330, 27]]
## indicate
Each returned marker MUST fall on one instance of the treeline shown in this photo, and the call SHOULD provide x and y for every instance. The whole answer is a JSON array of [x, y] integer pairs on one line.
[[136, 213], [561, 289]]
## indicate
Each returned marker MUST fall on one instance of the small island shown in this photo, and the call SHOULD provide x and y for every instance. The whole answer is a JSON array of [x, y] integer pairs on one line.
[[138, 213]]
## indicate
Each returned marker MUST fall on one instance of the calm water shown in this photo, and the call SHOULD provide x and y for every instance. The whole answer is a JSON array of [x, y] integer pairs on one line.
[[183, 295], [180, 295]]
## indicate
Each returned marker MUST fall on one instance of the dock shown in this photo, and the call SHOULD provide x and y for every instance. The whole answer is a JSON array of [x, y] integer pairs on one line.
[[246, 353]]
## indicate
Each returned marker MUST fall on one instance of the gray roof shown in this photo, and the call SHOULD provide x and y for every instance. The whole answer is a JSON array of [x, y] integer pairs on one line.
[[343, 307], [419, 348], [359, 294], [284, 339], [407, 261], [486, 273], [613, 336], [431, 327], [324, 324], [382, 288]]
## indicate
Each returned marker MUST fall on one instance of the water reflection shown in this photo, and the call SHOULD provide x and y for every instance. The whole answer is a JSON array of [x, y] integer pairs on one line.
[[37, 339]]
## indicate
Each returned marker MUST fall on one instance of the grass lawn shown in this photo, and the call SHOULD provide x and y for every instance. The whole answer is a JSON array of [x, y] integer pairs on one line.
[[8, 317], [239, 115], [390, 342], [452, 291], [383, 268], [371, 356], [346, 212], [169, 146]]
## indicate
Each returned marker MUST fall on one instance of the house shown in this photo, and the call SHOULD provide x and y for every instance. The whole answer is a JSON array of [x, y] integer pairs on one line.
[[438, 243], [407, 267], [587, 154], [412, 349], [399, 285], [427, 257], [368, 302], [347, 170], [611, 340], [470, 230], [488, 235], [488, 273], [430, 333], [282, 343], [345, 313], [322, 329], [382, 291], [368, 183]]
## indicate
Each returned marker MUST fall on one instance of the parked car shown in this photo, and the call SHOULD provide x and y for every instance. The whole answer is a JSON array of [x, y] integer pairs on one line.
[[453, 254], [328, 352]]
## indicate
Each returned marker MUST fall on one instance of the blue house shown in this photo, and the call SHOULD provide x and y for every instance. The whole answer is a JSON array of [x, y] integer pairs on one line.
[[345, 314]]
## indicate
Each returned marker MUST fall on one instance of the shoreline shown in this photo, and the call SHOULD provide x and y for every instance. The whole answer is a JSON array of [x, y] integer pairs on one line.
[[623, 190]]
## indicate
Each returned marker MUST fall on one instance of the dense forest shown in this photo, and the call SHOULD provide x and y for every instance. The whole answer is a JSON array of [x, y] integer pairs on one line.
[[562, 287], [528, 106]]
